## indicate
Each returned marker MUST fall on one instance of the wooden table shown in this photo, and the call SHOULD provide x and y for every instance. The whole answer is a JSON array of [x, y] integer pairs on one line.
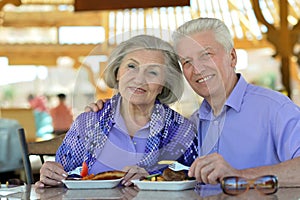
[[202, 192]]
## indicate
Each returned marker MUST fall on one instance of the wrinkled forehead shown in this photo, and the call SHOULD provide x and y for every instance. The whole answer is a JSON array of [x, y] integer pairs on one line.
[[195, 43], [188, 46]]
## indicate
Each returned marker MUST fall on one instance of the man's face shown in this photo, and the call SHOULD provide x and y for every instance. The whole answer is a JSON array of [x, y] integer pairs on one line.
[[208, 68]]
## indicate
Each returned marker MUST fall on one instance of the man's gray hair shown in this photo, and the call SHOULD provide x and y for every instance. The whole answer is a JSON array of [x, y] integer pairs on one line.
[[221, 31]]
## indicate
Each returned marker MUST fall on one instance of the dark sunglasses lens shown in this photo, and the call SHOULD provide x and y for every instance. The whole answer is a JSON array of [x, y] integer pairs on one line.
[[267, 184], [234, 185]]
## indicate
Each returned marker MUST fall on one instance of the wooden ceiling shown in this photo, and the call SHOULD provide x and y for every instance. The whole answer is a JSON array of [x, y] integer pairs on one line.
[[239, 16], [88, 5]]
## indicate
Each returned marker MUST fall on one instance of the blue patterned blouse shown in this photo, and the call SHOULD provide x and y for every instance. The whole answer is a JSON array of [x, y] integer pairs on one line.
[[172, 137]]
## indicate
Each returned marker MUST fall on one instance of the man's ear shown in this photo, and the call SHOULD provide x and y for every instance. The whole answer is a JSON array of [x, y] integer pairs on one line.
[[233, 57]]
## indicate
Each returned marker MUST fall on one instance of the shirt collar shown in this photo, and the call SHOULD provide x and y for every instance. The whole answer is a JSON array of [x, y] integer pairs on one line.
[[236, 97], [234, 100]]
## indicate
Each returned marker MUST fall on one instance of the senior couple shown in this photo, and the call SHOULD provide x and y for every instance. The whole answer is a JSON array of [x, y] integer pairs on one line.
[[239, 130]]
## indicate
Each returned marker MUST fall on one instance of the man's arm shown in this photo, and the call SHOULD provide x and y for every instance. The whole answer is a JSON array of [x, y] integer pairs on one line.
[[288, 172], [212, 168]]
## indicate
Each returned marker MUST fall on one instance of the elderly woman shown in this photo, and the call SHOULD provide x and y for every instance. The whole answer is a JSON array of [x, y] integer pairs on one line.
[[135, 129]]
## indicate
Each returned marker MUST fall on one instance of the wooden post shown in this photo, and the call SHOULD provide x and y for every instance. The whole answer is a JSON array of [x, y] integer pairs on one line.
[[282, 38]]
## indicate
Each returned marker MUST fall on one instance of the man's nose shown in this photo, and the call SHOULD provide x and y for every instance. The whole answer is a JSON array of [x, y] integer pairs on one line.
[[197, 68]]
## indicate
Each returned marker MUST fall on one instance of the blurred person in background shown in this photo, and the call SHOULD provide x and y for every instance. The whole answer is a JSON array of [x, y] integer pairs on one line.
[[62, 116], [43, 120]]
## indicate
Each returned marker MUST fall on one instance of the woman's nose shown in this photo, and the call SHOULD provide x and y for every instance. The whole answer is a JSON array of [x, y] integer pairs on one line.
[[140, 77]]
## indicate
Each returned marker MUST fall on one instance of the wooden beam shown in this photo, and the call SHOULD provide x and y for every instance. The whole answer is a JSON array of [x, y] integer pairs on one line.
[[85, 5], [48, 19], [14, 2], [47, 54], [251, 44], [38, 54], [48, 2]]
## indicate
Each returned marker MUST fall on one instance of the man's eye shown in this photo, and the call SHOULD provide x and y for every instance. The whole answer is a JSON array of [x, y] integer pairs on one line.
[[206, 54], [185, 62]]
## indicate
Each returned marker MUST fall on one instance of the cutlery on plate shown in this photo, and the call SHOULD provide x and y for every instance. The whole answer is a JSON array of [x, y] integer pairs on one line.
[[176, 166], [166, 162]]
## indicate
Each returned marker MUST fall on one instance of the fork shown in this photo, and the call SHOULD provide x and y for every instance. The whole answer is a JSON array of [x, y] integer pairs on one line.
[[176, 166]]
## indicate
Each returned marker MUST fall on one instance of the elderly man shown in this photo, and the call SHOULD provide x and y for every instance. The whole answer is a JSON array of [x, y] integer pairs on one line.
[[244, 130]]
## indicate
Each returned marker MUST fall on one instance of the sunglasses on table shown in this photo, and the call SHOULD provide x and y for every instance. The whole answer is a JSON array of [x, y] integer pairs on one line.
[[233, 185]]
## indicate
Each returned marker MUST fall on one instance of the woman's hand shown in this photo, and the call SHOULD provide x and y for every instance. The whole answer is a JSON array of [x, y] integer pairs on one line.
[[133, 172], [51, 174]]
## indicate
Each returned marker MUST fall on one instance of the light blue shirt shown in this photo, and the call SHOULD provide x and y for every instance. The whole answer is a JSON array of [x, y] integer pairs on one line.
[[257, 127], [129, 150]]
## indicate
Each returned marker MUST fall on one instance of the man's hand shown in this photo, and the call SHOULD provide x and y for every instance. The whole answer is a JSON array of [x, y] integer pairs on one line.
[[211, 169], [51, 174], [95, 107]]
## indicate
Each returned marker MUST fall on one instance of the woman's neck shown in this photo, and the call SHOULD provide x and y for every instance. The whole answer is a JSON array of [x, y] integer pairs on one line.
[[135, 117]]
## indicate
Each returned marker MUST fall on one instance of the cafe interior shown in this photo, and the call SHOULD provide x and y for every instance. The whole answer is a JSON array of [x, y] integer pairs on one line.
[[49, 47]]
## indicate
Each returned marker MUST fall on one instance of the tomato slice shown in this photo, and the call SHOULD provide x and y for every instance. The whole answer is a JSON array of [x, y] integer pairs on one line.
[[84, 172]]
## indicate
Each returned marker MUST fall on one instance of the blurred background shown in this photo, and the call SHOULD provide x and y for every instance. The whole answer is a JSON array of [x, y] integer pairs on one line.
[[49, 47]]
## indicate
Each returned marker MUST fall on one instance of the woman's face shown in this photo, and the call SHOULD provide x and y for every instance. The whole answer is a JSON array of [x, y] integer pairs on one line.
[[141, 76]]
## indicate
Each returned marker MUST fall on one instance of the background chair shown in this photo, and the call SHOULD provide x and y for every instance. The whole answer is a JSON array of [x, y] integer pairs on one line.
[[25, 117], [41, 148]]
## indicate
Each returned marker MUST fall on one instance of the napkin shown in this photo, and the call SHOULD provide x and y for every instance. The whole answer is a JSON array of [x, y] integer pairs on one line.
[[5, 191], [76, 171]]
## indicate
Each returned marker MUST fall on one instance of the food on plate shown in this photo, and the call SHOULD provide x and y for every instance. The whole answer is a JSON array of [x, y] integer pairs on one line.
[[154, 177], [88, 177], [84, 172], [168, 175], [109, 175]]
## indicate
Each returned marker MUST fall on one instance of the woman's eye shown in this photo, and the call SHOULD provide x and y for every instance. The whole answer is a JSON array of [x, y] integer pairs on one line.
[[132, 66], [154, 73]]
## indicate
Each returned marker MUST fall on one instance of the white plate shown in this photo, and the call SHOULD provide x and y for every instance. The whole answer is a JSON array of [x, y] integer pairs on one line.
[[91, 184], [164, 185]]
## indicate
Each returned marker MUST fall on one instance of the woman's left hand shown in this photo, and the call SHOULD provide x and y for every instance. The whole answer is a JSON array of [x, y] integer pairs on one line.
[[133, 172]]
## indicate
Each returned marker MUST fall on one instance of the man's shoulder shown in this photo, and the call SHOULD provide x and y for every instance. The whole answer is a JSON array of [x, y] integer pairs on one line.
[[266, 94]]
